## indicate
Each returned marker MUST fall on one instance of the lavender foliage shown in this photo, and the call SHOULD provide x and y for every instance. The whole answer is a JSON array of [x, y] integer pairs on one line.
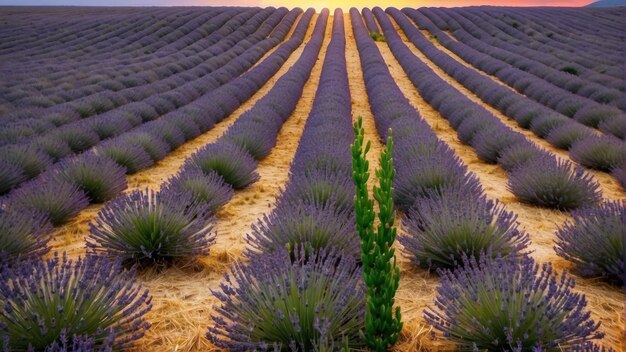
[[89, 304], [148, 228], [23, 235], [510, 304], [99, 177], [10, 176], [303, 303], [594, 240], [131, 156], [552, 183], [234, 164], [59, 200], [32, 161], [208, 190], [311, 227], [605, 153], [442, 230]]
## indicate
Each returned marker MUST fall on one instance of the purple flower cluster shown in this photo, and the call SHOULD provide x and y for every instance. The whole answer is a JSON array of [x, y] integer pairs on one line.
[[290, 301], [59, 305], [99, 177], [510, 304], [201, 188], [595, 240], [23, 235], [147, 227], [443, 230]]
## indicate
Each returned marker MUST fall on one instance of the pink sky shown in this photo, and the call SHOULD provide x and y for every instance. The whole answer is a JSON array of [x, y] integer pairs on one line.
[[318, 4]]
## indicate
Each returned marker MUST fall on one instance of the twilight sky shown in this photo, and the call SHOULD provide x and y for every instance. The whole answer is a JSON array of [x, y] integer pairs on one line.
[[318, 4]]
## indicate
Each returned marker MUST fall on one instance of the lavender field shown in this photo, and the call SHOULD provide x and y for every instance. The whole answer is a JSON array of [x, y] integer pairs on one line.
[[191, 179]]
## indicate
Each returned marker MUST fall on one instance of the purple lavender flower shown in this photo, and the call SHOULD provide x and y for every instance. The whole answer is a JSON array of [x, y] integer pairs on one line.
[[510, 304], [442, 229], [79, 138], [567, 134], [600, 153], [233, 163], [594, 240], [57, 302], [309, 226], [10, 176], [98, 176], [208, 189], [131, 156], [23, 235], [147, 227], [299, 303], [59, 200], [31, 160], [553, 183]]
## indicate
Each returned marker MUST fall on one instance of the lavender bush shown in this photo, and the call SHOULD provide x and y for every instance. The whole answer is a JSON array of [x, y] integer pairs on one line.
[[31, 160], [23, 235], [99, 177], [594, 240], [234, 164], [553, 183], [208, 190], [147, 227], [441, 230], [277, 302], [10, 176], [59, 200], [567, 134], [311, 227], [126, 154], [60, 305], [604, 153], [510, 304]]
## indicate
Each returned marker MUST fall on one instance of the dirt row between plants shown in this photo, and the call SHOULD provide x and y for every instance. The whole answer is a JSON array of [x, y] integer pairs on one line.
[[606, 302]]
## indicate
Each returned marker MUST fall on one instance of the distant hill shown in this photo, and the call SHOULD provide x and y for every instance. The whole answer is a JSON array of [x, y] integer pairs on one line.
[[607, 3]]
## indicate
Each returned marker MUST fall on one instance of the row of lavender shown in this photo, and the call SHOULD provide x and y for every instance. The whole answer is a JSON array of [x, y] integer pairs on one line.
[[603, 153], [301, 288], [565, 78], [133, 38], [91, 82], [547, 36], [459, 229], [553, 94], [162, 91], [559, 185], [138, 147]]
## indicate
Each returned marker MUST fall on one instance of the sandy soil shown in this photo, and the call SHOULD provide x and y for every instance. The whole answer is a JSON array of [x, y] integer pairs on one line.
[[181, 295]]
